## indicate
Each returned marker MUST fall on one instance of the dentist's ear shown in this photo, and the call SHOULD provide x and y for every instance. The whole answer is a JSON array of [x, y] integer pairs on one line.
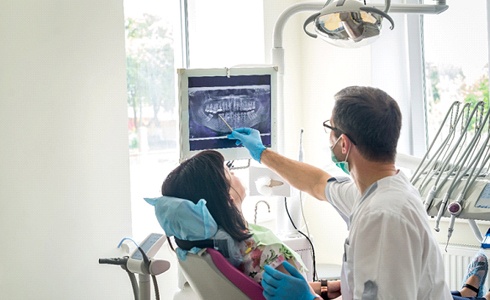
[[346, 142]]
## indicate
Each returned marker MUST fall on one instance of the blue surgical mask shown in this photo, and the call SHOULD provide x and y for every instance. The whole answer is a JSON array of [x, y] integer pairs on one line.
[[343, 165]]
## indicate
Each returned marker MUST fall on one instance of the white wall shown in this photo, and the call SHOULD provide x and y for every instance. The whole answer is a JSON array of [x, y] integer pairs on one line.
[[64, 172]]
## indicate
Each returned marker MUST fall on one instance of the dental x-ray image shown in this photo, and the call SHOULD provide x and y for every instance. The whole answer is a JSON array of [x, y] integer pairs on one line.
[[215, 103], [239, 101]]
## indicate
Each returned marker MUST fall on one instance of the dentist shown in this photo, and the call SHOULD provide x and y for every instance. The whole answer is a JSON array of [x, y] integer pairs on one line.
[[390, 251]]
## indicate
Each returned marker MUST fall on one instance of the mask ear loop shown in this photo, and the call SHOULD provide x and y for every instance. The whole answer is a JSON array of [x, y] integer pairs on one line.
[[347, 155], [336, 142]]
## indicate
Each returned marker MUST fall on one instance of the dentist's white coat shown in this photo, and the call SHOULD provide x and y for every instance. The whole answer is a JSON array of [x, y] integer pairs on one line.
[[390, 248]]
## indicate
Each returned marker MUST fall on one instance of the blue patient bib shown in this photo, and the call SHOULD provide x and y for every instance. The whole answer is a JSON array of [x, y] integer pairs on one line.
[[187, 221]]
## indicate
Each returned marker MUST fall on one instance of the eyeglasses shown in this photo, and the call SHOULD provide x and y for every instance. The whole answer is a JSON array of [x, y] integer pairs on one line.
[[327, 126]]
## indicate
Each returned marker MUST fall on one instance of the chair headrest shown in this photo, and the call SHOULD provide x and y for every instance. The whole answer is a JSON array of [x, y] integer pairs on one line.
[[184, 219]]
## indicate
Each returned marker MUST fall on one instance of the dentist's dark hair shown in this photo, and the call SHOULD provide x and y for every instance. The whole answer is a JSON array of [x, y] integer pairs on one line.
[[203, 177], [372, 118]]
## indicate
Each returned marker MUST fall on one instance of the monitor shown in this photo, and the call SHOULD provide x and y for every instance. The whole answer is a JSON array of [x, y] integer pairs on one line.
[[211, 101]]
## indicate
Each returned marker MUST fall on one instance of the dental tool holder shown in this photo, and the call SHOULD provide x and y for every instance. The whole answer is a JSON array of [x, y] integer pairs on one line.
[[141, 262], [475, 206]]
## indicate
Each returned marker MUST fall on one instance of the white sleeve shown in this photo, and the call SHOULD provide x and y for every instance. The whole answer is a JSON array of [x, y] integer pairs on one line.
[[342, 193]]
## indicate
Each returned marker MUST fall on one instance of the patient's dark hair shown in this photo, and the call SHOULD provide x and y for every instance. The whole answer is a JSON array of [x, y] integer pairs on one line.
[[203, 177]]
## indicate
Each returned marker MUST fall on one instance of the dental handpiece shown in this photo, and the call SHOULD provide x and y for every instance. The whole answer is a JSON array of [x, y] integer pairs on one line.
[[429, 198], [441, 211], [455, 209], [450, 230]]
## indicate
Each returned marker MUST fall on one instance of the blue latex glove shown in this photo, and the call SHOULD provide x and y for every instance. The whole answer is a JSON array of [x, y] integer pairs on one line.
[[250, 138], [279, 286]]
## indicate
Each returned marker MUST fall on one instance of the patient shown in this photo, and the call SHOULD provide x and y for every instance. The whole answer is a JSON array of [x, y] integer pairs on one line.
[[205, 176]]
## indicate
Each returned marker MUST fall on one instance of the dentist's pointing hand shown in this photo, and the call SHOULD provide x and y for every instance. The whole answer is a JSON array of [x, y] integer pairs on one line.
[[250, 139]]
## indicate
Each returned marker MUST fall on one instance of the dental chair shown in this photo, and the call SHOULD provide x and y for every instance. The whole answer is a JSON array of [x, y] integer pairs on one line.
[[208, 272], [211, 276]]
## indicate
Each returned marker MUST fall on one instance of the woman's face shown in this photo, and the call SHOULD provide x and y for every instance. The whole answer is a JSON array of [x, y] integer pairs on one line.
[[237, 190]]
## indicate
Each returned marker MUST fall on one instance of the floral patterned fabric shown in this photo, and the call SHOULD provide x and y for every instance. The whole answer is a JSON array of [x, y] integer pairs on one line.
[[264, 248]]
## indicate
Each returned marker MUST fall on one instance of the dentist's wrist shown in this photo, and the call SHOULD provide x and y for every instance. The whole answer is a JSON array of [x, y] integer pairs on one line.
[[257, 153]]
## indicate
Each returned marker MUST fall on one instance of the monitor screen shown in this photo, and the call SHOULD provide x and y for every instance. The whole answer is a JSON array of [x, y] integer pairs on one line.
[[212, 101]]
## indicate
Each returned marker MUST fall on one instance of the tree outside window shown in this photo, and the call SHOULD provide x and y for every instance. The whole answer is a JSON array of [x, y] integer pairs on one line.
[[150, 83]]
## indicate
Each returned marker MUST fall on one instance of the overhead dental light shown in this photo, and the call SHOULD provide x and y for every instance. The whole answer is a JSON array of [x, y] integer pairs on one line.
[[348, 23], [360, 29]]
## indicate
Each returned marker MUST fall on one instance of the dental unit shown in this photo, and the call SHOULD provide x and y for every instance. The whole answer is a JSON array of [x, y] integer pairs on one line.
[[453, 178]]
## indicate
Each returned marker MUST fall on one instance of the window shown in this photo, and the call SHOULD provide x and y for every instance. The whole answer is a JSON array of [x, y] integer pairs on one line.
[[152, 54], [456, 59], [155, 47]]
